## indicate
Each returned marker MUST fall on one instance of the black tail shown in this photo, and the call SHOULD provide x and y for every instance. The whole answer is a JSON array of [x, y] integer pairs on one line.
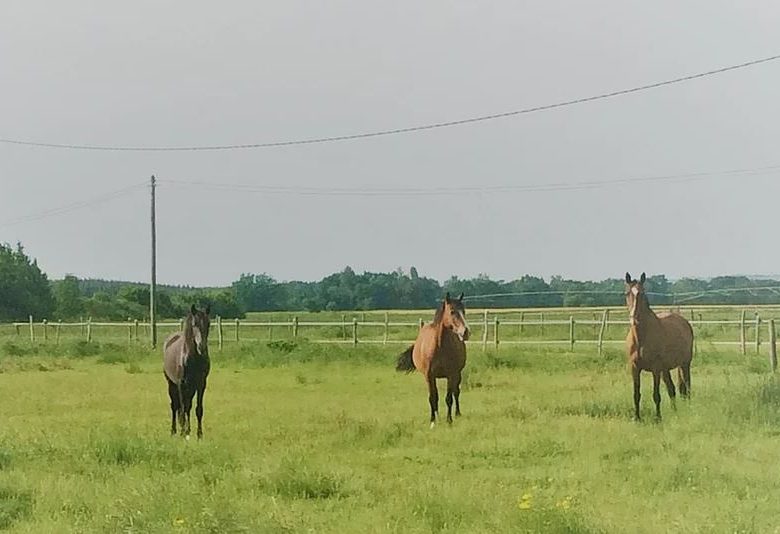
[[405, 362]]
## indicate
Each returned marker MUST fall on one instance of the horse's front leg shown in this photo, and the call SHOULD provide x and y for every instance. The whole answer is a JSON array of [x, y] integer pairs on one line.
[[433, 397], [637, 392], [456, 391], [173, 393], [199, 408], [188, 395], [448, 399]]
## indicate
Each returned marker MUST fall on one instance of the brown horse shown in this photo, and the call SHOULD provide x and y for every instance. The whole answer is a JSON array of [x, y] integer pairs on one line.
[[656, 343], [186, 365], [440, 352]]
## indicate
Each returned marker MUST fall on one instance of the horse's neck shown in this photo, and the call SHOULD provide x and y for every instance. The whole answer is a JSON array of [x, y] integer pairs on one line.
[[188, 338], [648, 324], [441, 331]]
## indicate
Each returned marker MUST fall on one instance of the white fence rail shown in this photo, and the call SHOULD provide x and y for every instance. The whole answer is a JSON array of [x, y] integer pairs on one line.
[[350, 331]]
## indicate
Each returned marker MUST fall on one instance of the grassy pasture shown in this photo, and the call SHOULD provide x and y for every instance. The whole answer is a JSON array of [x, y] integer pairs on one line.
[[311, 438]]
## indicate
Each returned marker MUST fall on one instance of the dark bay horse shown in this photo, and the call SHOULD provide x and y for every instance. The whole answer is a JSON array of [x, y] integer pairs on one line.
[[657, 343], [440, 352], [186, 364]]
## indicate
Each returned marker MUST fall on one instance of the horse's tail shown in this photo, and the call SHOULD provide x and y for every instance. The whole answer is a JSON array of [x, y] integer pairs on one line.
[[405, 362]]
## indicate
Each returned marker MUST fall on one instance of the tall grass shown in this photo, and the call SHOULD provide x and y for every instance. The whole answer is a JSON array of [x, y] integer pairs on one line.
[[302, 437]]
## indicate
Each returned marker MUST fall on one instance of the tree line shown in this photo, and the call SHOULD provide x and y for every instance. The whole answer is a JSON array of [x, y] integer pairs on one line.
[[25, 289]]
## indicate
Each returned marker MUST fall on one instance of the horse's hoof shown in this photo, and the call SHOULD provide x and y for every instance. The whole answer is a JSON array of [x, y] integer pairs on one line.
[[433, 424], [187, 437]]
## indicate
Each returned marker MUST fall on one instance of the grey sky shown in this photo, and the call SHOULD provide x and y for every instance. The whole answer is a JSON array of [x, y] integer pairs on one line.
[[204, 73]]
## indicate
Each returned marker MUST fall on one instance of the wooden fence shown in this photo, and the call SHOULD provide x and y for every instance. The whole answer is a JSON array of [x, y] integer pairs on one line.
[[227, 331]]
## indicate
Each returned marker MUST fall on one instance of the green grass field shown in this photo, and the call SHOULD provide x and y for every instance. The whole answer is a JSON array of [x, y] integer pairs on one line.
[[312, 438]]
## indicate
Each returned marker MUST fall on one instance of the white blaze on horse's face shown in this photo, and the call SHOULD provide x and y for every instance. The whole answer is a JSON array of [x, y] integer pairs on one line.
[[460, 326], [633, 302], [198, 338]]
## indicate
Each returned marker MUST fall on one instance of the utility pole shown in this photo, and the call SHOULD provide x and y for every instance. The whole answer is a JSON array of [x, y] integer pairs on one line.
[[153, 284]]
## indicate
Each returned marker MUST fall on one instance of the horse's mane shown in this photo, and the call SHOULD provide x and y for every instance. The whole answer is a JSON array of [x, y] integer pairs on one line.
[[439, 315], [188, 334]]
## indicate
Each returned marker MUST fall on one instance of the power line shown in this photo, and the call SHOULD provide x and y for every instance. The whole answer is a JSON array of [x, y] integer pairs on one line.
[[74, 206], [482, 189], [395, 131]]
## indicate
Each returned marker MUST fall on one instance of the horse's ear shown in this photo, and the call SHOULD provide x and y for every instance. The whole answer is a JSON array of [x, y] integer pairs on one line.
[[208, 309], [193, 311], [447, 297], [642, 278], [628, 278], [460, 298]]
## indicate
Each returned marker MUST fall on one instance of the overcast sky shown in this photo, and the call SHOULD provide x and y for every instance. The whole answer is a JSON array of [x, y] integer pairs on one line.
[[205, 73]]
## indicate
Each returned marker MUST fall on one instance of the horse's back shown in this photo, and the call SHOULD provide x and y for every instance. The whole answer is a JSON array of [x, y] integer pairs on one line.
[[678, 337], [173, 357]]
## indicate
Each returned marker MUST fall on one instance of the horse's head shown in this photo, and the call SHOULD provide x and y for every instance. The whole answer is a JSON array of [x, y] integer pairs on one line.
[[454, 316], [636, 299], [199, 322]]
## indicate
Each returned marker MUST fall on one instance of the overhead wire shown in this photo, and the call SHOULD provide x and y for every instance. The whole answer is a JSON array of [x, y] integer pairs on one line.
[[395, 131], [456, 189], [100, 199]]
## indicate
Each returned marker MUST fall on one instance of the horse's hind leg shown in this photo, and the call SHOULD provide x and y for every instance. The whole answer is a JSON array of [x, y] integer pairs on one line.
[[684, 379], [657, 393], [433, 398], [667, 376], [173, 393], [199, 409]]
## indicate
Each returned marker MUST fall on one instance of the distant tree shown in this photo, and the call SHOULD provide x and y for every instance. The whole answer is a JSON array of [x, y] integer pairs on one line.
[[70, 303], [24, 288]]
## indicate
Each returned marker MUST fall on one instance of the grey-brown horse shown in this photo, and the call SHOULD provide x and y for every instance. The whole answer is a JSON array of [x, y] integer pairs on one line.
[[186, 364], [657, 343]]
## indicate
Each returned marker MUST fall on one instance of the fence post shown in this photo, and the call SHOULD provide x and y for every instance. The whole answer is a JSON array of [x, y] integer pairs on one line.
[[522, 319], [742, 333], [89, 329], [57, 335], [606, 320], [571, 331], [601, 331], [758, 333], [81, 325], [135, 329], [45, 333], [541, 325], [18, 332], [354, 331], [32, 330], [271, 330], [772, 346], [238, 322], [129, 330], [344, 326], [495, 331], [484, 330], [295, 327], [387, 326], [181, 325], [219, 332]]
